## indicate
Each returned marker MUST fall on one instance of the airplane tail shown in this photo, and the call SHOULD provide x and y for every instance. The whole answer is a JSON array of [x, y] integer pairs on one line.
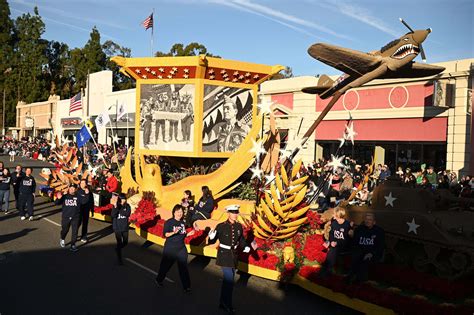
[[324, 83]]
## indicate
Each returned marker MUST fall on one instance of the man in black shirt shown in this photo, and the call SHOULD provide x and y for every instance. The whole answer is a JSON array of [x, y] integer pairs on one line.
[[368, 249], [26, 194]]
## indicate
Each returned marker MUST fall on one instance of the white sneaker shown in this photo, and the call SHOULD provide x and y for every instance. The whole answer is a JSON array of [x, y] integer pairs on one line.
[[62, 243], [83, 240], [31, 218], [23, 218]]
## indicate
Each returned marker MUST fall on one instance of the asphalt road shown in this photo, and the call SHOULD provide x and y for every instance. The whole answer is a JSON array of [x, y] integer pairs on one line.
[[39, 277]]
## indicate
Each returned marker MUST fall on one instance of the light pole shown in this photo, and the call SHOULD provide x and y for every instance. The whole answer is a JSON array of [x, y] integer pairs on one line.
[[8, 70]]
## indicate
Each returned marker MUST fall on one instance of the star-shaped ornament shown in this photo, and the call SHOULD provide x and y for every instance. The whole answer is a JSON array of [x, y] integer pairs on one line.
[[336, 162], [186, 76], [153, 72], [412, 226], [256, 172], [350, 133], [147, 69], [65, 140], [265, 107], [258, 148], [100, 156], [285, 154], [341, 141], [115, 139], [270, 178], [389, 199]]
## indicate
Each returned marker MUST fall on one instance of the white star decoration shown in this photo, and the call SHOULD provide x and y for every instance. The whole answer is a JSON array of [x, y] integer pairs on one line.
[[65, 140], [350, 133], [115, 139], [256, 172], [265, 107], [100, 156], [336, 162], [153, 72], [285, 154], [270, 177], [389, 199], [258, 148], [412, 226]]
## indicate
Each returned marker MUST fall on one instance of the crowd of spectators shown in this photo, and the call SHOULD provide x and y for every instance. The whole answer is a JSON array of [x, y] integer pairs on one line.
[[329, 187]]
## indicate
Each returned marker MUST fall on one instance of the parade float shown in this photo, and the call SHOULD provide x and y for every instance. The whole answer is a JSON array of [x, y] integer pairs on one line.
[[282, 219]]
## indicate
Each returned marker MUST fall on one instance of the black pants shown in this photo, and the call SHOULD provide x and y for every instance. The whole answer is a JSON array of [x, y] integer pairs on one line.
[[174, 129], [84, 221], [359, 266], [16, 192], [170, 255], [66, 223], [25, 201], [160, 124], [122, 241]]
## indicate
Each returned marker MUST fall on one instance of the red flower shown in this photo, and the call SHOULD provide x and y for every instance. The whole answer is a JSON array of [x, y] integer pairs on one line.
[[145, 211], [313, 248], [314, 219]]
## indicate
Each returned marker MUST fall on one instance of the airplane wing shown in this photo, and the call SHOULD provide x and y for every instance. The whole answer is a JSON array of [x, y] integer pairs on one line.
[[352, 62], [414, 70]]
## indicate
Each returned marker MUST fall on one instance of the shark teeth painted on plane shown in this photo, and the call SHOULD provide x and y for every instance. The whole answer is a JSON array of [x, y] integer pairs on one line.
[[405, 50]]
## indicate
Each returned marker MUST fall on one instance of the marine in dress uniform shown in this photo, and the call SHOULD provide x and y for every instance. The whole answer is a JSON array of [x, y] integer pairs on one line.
[[230, 235]]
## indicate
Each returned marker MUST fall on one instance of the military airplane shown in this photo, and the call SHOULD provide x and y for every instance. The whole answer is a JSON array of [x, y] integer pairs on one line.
[[394, 60]]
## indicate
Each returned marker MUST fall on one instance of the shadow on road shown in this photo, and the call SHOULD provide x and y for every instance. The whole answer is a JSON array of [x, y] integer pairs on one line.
[[9, 237]]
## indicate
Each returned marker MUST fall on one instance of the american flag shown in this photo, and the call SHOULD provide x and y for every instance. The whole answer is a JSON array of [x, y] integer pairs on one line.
[[76, 103], [148, 22]]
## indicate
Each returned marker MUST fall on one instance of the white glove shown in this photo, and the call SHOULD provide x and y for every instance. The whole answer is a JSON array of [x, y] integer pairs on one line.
[[246, 249], [212, 234]]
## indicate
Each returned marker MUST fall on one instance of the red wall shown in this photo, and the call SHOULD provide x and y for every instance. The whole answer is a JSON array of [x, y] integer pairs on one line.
[[382, 98], [285, 99], [401, 129]]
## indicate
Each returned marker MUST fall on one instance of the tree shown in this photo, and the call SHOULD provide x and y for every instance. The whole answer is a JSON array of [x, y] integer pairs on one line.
[[30, 58], [86, 60], [119, 81], [58, 72], [283, 74], [192, 49], [6, 64]]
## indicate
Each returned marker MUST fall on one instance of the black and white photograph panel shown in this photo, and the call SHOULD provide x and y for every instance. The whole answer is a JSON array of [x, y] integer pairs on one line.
[[167, 117], [227, 117]]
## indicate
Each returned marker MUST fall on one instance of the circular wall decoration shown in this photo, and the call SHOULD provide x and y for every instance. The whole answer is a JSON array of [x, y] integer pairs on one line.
[[398, 96], [351, 101]]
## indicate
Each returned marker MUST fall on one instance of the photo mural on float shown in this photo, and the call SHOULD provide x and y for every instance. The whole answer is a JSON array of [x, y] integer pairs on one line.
[[227, 117], [167, 117]]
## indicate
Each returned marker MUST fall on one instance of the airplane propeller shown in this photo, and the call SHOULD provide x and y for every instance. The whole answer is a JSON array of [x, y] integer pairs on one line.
[[422, 51]]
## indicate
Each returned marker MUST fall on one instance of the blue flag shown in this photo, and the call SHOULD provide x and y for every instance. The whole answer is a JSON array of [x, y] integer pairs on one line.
[[82, 137]]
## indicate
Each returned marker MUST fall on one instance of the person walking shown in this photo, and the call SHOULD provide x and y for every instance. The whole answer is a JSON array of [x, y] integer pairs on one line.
[[71, 209], [120, 214], [230, 235], [16, 179], [26, 195], [5, 180], [175, 250], [85, 194]]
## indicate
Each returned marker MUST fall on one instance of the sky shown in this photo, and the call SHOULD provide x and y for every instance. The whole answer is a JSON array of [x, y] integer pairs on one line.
[[261, 31]]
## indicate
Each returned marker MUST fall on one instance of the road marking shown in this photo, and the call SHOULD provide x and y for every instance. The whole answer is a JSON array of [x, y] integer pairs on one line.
[[147, 269], [130, 260], [50, 221]]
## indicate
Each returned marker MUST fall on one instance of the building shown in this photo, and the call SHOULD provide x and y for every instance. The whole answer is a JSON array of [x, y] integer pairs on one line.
[[404, 122], [53, 116], [35, 119]]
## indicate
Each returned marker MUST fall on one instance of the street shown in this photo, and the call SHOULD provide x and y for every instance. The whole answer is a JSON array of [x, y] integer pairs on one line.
[[38, 276]]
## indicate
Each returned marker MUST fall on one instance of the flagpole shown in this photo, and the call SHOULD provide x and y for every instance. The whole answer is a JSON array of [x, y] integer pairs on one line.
[[152, 28]]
